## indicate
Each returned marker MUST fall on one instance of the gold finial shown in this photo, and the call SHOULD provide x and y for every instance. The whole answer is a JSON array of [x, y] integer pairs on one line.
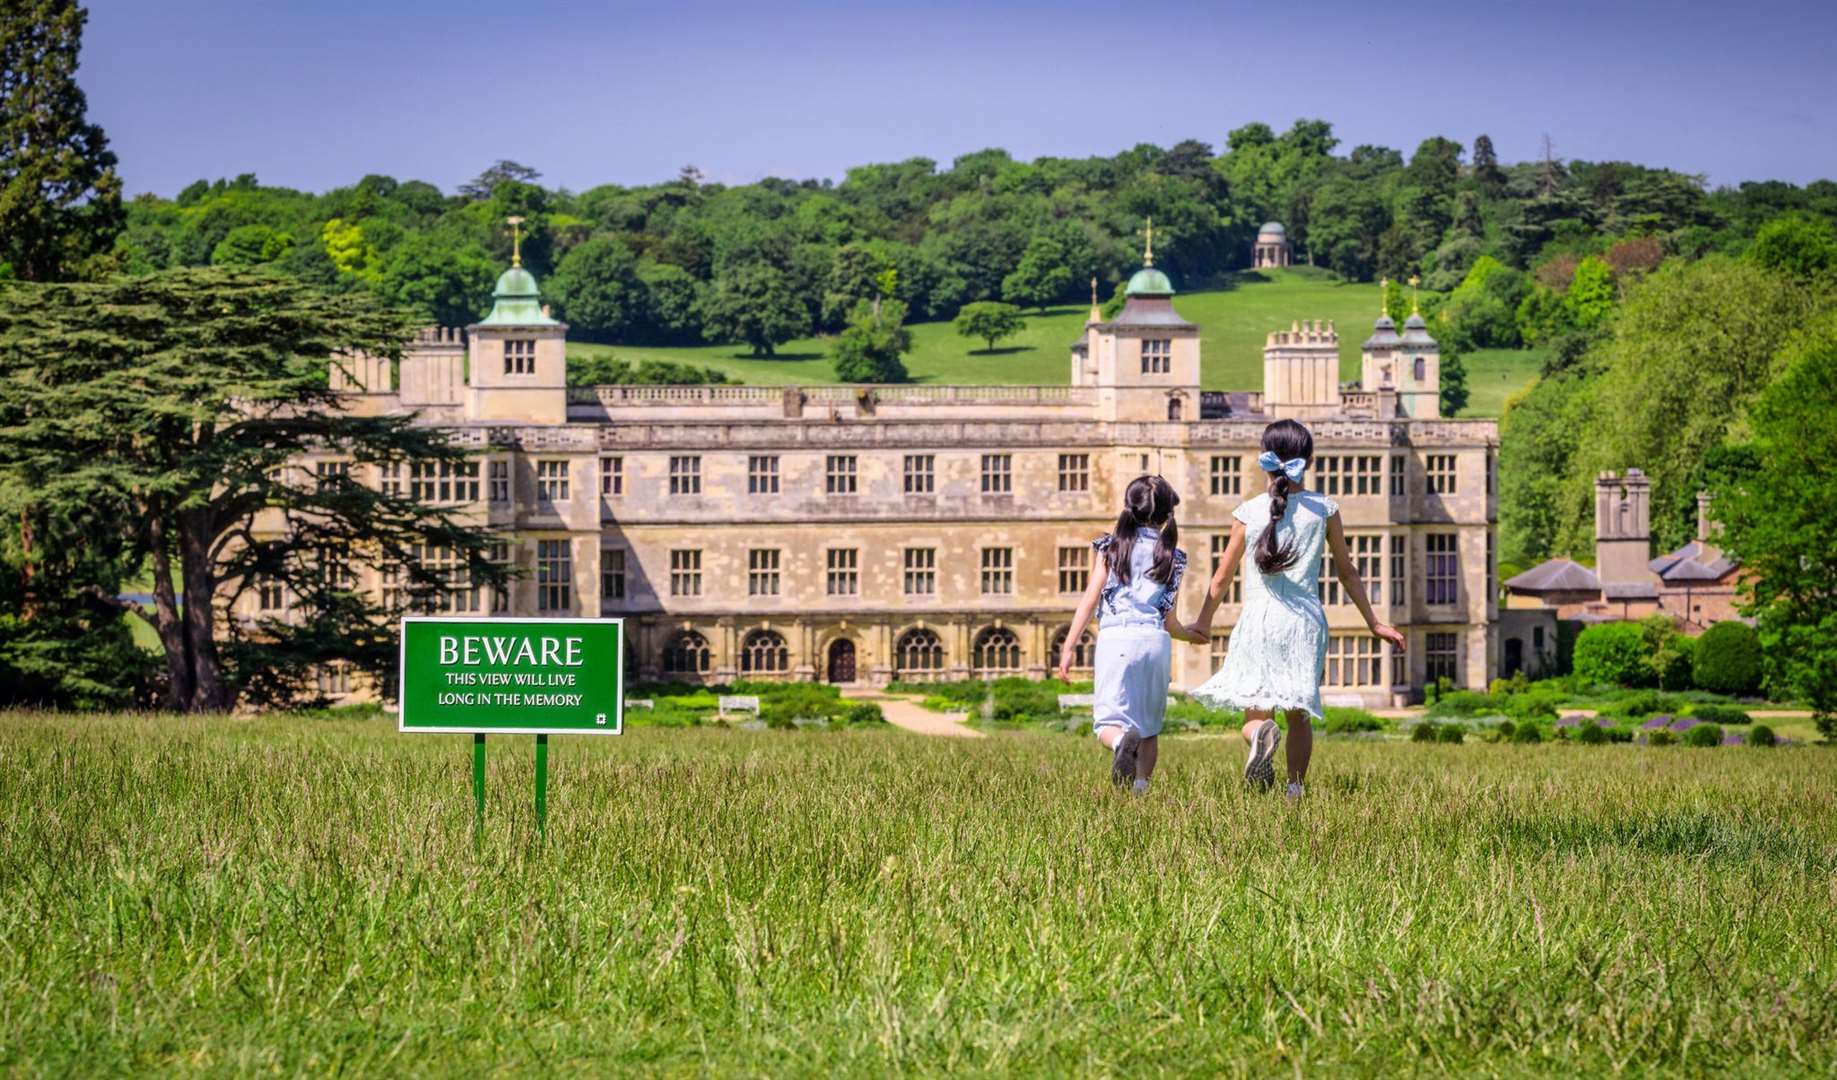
[[1096, 310], [516, 240], [1415, 308], [1148, 245], [1384, 295]]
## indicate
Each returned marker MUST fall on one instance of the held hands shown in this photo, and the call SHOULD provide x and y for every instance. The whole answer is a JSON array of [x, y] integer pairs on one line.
[[1391, 634], [1194, 634]]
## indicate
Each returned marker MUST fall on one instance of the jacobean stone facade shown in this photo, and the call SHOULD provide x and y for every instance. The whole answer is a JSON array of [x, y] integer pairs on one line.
[[865, 534]]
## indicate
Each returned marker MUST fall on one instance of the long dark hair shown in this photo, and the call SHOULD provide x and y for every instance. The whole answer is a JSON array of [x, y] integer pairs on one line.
[[1148, 503], [1287, 440]]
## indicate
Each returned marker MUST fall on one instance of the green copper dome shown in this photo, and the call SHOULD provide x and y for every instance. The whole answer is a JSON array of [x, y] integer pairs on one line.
[[517, 301], [1149, 282]]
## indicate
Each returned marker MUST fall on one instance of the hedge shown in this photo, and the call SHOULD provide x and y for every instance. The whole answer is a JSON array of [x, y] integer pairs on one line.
[[1613, 653], [1728, 659]]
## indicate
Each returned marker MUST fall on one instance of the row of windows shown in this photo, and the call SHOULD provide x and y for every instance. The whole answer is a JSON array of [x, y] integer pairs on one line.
[[842, 573], [1353, 660], [996, 650], [458, 481], [920, 567]]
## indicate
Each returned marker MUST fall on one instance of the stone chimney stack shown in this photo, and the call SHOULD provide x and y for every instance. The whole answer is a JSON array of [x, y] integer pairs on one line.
[[1704, 525], [1623, 528]]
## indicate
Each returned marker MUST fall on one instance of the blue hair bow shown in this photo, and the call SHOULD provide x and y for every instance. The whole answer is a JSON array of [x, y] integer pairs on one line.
[[1293, 468]]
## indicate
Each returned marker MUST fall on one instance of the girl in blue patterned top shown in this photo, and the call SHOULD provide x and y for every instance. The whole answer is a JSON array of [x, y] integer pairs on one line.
[[1133, 593]]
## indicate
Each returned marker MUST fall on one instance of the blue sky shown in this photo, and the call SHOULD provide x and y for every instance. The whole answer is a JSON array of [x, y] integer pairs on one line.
[[316, 93]]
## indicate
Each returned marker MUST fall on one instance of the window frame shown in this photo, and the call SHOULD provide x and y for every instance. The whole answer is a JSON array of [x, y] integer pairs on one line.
[[554, 575], [685, 572], [997, 564], [685, 474], [998, 473]]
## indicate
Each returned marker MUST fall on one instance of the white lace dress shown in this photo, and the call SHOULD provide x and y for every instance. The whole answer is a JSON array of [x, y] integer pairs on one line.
[[1279, 644]]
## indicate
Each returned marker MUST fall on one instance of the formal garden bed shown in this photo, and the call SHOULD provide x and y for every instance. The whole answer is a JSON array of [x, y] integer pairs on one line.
[[1017, 702], [782, 705], [1635, 682]]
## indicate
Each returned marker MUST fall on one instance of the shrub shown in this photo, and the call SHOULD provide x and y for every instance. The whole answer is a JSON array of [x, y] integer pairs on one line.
[[864, 712], [1728, 660], [778, 716], [1643, 703], [1661, 737], [1506, 729], [1527, 733], [1703, 735], [1018, 698], [1762, 735], [1425, 732], [1612, 653], [1343, 721], [1591, 733], [1463, 703], [1618, 734], [1450, 733], [1534, 704], [1721, 714], [1674, 660]]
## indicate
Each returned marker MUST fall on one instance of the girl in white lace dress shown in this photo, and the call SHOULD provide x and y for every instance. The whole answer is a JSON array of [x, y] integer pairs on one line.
[[1279, 645]]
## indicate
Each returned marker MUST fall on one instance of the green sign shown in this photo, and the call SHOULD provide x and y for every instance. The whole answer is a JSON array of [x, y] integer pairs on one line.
[[514, 676]]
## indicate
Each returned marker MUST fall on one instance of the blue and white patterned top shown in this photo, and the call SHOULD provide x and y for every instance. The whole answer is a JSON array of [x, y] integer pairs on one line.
[[1144, 601]]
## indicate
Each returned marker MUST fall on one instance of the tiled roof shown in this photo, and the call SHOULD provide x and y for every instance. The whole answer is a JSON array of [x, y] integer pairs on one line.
[[1631, 590], [1695, 561], [1555, 575]]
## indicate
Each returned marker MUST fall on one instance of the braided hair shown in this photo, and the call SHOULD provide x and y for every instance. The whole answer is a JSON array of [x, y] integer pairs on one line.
[[1148, 503], [1287, 440]]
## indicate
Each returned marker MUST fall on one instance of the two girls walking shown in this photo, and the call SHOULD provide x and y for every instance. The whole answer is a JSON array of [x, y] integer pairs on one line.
[[1278, 646]]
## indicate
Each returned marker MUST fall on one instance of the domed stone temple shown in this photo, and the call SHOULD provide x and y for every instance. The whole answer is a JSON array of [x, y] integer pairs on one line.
[[860, 534], [1272, 246]]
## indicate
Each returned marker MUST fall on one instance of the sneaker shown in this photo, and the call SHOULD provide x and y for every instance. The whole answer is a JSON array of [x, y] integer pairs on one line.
[[1295, 790], [1122, 760], [1259, 768], [1140, 787]]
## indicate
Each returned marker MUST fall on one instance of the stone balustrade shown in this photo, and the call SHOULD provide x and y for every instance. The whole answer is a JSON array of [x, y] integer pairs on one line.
[[720, 394]]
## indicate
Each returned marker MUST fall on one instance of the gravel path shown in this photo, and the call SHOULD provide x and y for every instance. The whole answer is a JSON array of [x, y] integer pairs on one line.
[[905, 712]]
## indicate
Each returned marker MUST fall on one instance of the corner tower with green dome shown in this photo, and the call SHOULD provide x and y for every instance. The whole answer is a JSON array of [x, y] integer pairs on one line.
[[518, 353], [1145, 362]]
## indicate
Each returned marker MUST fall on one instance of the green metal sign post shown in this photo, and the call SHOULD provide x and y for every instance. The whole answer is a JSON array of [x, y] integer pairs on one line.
[[540, 677]]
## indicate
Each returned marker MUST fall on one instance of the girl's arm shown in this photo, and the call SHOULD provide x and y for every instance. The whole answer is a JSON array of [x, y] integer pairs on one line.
[[1092, 593], [1221, 584], [1349, 580], [1182, 633]]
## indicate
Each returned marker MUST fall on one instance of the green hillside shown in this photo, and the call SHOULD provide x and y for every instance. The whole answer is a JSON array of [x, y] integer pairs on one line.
[[1234, 322]]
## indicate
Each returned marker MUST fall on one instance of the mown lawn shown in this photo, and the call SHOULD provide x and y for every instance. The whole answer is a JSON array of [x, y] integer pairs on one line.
[[1234, 324], [274, 894]]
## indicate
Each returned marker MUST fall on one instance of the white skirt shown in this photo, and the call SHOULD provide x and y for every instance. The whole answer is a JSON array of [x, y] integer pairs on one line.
[[1134, 664]]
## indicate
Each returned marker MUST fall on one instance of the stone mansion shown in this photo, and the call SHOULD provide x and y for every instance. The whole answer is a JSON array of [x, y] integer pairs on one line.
[[920, 532]]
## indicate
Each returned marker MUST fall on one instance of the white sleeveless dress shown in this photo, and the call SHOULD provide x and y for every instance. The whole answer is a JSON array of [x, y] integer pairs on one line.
[[1279, 646]]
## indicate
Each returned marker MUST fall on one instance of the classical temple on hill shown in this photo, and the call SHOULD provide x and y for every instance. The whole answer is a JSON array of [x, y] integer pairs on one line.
[[860, 534]]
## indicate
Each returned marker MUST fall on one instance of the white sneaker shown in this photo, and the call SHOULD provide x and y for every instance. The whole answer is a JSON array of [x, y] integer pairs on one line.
[[1295, 791], [1259, 768]]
